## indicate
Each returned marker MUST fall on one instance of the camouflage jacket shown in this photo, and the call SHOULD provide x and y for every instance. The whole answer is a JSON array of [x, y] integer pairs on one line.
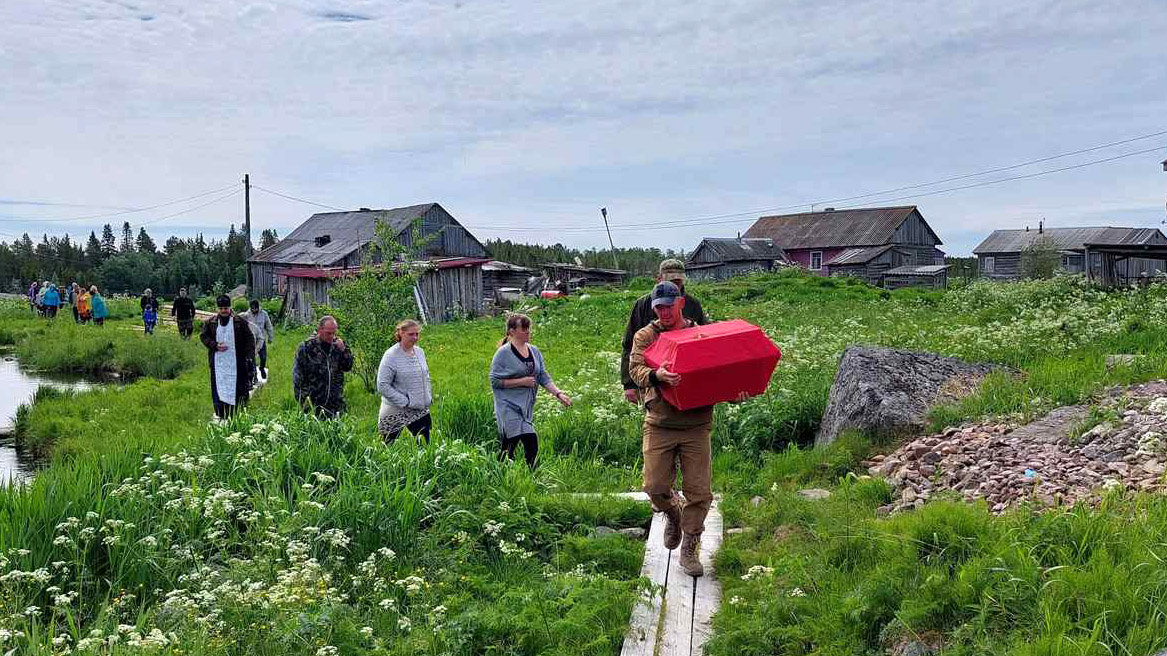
[[318, 375]]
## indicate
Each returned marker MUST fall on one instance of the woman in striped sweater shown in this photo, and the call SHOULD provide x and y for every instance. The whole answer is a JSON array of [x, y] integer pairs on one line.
[[403, 380]]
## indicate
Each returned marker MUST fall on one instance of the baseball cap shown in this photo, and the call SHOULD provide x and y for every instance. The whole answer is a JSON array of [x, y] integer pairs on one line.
[[672, 269], [665, 293], [223, 301]]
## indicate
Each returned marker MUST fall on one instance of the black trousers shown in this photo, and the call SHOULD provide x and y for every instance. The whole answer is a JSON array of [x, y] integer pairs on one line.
[[223, 410], [76, 315], [185, 328], [420, 427], [530, 447], [263, 357]]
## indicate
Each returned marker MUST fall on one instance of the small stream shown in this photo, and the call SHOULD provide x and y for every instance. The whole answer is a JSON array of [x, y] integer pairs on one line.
[[19, 385]]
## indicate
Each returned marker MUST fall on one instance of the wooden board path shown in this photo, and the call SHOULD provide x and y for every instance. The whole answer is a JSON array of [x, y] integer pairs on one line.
[[676, 618]]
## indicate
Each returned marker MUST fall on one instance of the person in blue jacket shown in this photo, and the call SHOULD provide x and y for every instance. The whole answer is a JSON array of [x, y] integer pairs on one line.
[[100, 311], [52, 301]]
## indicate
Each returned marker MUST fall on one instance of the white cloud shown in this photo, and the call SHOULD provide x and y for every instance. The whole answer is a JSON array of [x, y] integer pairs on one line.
[[537, 113]]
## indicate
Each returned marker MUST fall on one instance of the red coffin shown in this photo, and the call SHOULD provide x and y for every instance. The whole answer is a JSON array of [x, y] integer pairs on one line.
[[716, 362], [550, 293]]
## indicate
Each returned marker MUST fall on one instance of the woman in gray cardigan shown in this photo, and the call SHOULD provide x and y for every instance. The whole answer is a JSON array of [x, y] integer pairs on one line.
[[516, 373], [403, 380]]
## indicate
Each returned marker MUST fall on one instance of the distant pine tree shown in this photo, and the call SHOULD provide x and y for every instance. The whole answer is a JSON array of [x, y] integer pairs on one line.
[[127, 238], [109, 243], [144, 243]]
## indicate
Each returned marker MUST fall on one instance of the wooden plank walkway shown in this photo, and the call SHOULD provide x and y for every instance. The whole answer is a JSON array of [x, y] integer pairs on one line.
[[675, 619]]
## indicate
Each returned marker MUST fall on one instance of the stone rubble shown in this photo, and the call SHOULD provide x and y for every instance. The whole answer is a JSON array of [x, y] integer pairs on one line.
[[1044, 463]]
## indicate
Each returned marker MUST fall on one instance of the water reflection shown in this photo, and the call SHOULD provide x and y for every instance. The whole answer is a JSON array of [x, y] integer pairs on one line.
[[19, 386]]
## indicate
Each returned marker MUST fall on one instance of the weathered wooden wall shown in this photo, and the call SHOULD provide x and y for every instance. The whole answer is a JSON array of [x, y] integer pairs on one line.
[[449, 293], [896, 281]]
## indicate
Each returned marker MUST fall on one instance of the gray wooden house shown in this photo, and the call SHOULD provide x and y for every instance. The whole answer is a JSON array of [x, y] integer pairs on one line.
[[999, 255], [340, 239], [717, 258], [865, 242]]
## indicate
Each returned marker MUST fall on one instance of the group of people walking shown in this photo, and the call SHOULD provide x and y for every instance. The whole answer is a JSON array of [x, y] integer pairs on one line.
[[671, 438], [517, 371], [47, 300]]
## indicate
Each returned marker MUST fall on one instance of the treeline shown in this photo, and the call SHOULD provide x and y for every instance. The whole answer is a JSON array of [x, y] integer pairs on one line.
[[128, 262], [637, 261]]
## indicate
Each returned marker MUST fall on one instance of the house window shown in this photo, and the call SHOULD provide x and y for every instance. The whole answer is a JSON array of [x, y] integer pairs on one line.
[[816, 260], [990, 264]]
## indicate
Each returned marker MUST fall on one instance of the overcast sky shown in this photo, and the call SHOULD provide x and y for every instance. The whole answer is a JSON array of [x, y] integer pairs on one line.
[[523, 119]]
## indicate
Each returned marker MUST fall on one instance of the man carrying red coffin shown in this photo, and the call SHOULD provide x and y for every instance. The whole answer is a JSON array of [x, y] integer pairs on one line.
[[673, 271], [669, 433]]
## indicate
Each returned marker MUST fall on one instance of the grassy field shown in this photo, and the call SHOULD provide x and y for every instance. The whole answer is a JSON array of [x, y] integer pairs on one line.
[[264, 536]]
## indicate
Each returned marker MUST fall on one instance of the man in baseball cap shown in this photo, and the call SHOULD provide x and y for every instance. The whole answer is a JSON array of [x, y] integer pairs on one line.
[[671, 434], [673, 271]]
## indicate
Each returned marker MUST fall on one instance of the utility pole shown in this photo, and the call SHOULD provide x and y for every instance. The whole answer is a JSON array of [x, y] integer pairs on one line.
[[604, 213], [247, 228]]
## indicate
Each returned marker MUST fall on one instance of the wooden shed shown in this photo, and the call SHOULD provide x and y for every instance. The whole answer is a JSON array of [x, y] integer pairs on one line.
[[581, 276], [720, 258], [497, 275], [870, 263], [451, 288], [933, 276]]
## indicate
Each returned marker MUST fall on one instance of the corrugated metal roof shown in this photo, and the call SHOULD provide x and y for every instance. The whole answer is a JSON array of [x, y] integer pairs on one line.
[[835, 229], [575, 267], [1015, 241], [925, 270], [730, 249], [495, 265], [858, 255], [338, 272], [347, 232]]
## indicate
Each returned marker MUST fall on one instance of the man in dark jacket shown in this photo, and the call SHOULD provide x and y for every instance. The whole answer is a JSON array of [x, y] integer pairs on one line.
[[183, 312], [231, 356], [642, 315], [318, 374]]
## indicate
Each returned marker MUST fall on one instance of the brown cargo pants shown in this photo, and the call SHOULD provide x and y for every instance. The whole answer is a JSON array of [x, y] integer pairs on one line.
[[661, 448]]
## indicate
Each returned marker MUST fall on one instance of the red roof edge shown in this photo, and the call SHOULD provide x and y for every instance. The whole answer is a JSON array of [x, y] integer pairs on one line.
[[337, 272]]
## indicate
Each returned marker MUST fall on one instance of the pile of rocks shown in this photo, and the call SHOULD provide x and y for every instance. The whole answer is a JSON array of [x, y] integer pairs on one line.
[[1045, 463]]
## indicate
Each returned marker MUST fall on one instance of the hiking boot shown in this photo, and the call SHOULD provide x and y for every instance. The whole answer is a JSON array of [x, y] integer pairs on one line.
[[689, 550], [672, 528]]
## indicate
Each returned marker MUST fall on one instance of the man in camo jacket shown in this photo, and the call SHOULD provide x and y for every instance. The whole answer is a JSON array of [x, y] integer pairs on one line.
[[318, 372]]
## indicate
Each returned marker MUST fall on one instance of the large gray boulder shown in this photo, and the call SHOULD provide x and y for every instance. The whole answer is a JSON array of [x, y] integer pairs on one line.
[[888, 392]]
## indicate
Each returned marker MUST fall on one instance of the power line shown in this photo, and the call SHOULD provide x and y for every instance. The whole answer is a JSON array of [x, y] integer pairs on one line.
[[100, 216], [188, 211], [143, 224], [1030, 175], [998, 169], [751, 216], [299, 200]]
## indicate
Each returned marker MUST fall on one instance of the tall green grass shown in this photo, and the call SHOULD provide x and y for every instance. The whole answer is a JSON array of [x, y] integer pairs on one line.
[[62, 346], [1051, 584]]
